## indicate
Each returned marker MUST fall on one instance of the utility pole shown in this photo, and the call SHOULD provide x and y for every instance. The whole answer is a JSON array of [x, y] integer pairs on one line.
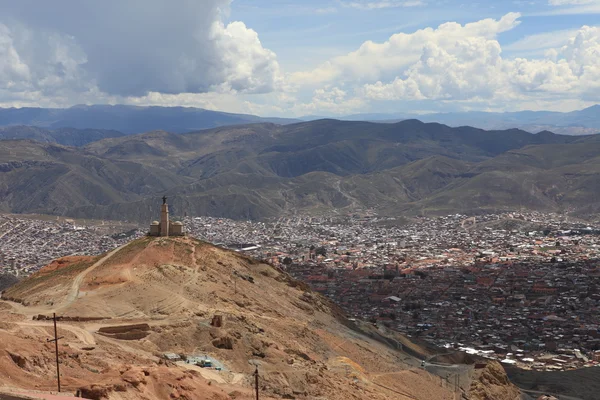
[[457, 386], [256, 381], [55, 340]]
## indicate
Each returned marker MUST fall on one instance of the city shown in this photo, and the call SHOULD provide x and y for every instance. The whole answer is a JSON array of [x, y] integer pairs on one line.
[[519, 287], [27, 243]]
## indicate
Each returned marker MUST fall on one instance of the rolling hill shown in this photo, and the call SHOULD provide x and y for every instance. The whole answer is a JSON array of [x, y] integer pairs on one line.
[[64, 136], [266, 170]]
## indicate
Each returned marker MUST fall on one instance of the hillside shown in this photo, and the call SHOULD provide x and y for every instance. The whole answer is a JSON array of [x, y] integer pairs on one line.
[[121, 311], [64, 136], [266, 170], [52, 179], [127, 119]]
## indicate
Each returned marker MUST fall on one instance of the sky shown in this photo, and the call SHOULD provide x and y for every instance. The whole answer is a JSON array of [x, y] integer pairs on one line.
[[298, 58]]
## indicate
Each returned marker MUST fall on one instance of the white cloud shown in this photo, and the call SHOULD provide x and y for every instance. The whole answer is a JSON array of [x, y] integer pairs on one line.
[[38, 64], [13, 71], [190, 56], [462, 64], [470, 67], [570, 7], [130, 48], [569, 2], [326, 10], [377, 5], [540, 42], [384, 61], [329, 100]]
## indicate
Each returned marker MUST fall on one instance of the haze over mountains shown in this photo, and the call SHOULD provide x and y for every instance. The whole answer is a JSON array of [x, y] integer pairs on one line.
[[127, 119], [266, 170], [133, 119], [580, 122]]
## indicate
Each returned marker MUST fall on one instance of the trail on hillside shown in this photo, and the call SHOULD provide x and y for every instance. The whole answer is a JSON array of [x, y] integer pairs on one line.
[[74, 291], [84, 336]]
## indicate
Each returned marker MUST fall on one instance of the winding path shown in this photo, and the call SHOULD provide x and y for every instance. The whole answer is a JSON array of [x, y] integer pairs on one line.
[[84, 336], [74, 291]]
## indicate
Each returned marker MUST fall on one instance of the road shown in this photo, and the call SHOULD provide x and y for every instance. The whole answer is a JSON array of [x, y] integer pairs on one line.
[[84, 336], [74, 291]]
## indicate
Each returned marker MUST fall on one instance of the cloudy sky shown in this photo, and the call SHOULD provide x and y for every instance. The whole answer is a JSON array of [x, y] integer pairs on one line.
[[309, 57]]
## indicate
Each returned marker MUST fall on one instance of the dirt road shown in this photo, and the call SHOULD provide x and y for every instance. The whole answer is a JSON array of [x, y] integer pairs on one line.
[[84, 336], [74, 291]]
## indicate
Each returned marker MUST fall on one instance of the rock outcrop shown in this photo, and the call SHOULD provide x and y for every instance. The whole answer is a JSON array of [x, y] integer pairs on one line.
[[492, 383]]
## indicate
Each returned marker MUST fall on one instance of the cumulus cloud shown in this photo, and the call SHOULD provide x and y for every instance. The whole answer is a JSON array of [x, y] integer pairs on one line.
[[383, 61], [472, 67], [131, 48], [150, 52], [463, 63], [330, 100]]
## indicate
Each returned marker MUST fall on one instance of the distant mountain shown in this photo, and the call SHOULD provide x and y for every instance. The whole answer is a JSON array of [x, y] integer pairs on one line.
[[64, 136], [128, 119], [581, 122], [266, 170]]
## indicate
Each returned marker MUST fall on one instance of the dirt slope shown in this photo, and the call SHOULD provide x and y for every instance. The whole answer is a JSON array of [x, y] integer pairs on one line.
[[159, 295]]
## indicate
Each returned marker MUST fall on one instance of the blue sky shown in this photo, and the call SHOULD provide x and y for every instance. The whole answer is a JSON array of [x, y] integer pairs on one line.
[[293, 58], [324, 29]]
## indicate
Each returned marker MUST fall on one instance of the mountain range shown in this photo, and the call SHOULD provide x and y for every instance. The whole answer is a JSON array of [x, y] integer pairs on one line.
[[65, 136], [267, 170], [134, 119], [127, 119], [579, 122]]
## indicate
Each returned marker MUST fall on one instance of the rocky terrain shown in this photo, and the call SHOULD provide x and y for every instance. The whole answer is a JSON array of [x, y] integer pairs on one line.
[[64, 136], [491, 382], [121, 312], [262, 171]]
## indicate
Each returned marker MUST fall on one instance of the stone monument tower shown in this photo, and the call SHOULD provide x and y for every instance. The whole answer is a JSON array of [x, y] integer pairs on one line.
[[164, 218], [165, 227]]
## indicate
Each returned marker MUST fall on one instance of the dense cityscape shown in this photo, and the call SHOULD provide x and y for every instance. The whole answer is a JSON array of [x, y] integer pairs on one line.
[[27, 244], [518, 287]]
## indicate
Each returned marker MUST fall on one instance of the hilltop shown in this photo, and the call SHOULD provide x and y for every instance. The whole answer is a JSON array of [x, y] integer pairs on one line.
[[120, 312]]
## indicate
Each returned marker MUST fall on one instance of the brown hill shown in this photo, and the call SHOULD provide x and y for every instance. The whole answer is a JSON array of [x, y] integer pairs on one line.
[[266, 170], [120, 312]]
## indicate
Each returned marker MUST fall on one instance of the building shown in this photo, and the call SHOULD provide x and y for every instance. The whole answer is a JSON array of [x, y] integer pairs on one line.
[[165, 227]]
